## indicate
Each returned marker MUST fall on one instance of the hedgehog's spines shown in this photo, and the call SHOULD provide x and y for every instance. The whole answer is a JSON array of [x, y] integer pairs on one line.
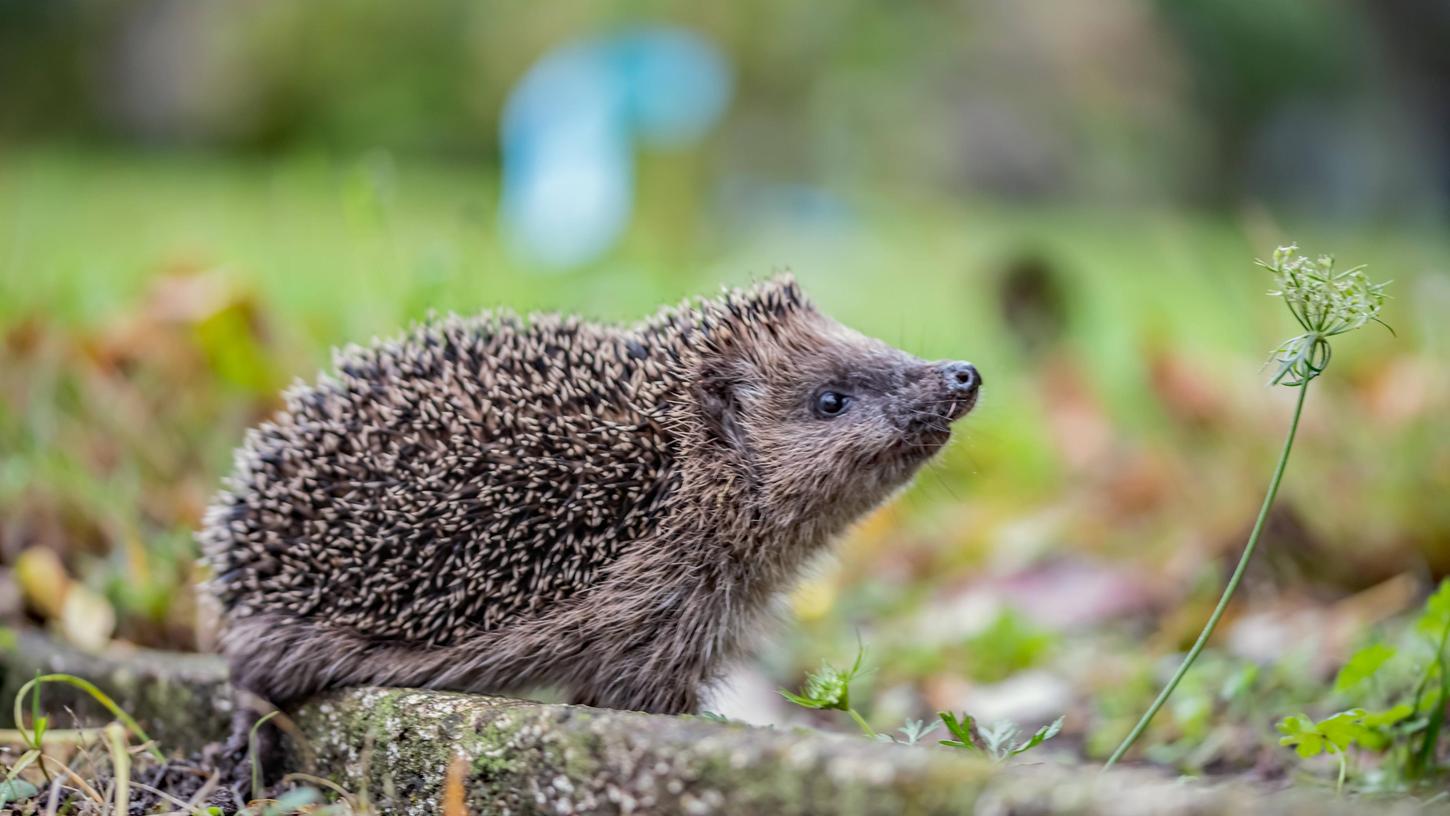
[[464, 476], [698, 323], [574, 404]]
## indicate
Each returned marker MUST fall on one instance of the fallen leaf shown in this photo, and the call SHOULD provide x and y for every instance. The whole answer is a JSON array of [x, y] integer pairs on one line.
[[87, 619], [43, 581]]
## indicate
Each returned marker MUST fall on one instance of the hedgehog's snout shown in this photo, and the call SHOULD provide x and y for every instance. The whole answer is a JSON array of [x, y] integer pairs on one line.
[[961, 382], [939, 394]]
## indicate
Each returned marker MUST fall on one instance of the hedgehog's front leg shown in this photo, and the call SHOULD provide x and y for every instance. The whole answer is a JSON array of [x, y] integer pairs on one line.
[[272, 664], [661, 666]]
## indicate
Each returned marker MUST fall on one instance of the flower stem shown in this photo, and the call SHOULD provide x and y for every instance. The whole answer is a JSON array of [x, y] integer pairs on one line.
[[861, 721], [1233, 584]]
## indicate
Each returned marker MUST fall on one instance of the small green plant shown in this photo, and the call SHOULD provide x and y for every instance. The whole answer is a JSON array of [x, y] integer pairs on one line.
[[830, 688], [34, 736], [1402, 694], [998, 740], [1326, 304], [1432, 690], [1337, 733], [38, 735]]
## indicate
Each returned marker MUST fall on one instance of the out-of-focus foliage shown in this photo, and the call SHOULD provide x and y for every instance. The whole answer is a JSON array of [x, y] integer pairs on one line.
[[1196, 100], [1407, 689]]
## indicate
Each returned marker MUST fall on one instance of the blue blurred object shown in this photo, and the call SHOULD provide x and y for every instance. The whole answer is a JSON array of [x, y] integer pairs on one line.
[[571, 124]]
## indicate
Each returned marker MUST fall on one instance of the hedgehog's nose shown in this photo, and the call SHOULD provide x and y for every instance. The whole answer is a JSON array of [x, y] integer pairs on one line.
[[961, 378]]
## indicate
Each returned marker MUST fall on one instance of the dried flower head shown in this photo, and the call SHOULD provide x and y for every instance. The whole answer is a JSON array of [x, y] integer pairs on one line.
[[1325, 303]]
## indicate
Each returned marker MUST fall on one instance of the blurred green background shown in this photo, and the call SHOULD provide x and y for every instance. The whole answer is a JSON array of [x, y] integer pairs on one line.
[[198, 198]]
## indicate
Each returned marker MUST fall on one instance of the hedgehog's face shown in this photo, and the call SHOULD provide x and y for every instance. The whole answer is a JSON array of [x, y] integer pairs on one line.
[[829, 422]]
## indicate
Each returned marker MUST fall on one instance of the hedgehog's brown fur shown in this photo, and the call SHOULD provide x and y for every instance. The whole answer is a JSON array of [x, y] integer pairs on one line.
[[493, 504]]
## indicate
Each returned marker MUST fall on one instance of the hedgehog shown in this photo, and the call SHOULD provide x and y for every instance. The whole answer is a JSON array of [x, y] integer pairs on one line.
[[497, 504]]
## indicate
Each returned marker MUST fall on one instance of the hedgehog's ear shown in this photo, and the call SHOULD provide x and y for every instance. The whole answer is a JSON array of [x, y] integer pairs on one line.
[[718, 394]]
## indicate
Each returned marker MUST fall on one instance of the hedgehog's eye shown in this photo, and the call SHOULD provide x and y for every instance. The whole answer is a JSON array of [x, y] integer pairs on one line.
[[831, 404]]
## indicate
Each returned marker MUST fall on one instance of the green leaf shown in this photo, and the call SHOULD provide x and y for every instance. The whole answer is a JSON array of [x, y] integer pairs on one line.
[[1362, 665], [1043, 734], [1378, 735], [1338, 732], [16, 790], [914, 731], [1436, 617], [961, 729], [25, 761], [1388, 717], [998, 737], [804, 702], [1300, 733], [1343, 729], [39, 723]]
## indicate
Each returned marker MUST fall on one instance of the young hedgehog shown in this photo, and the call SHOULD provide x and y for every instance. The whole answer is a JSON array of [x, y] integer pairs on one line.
[[491, 504]]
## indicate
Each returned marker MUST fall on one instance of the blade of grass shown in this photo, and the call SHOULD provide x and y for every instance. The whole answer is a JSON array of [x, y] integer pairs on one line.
[[312, 779], [120, 767], [91, 689], [54, 804], [252, 753], [1425, 758], [37, 722], [81, 784]]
